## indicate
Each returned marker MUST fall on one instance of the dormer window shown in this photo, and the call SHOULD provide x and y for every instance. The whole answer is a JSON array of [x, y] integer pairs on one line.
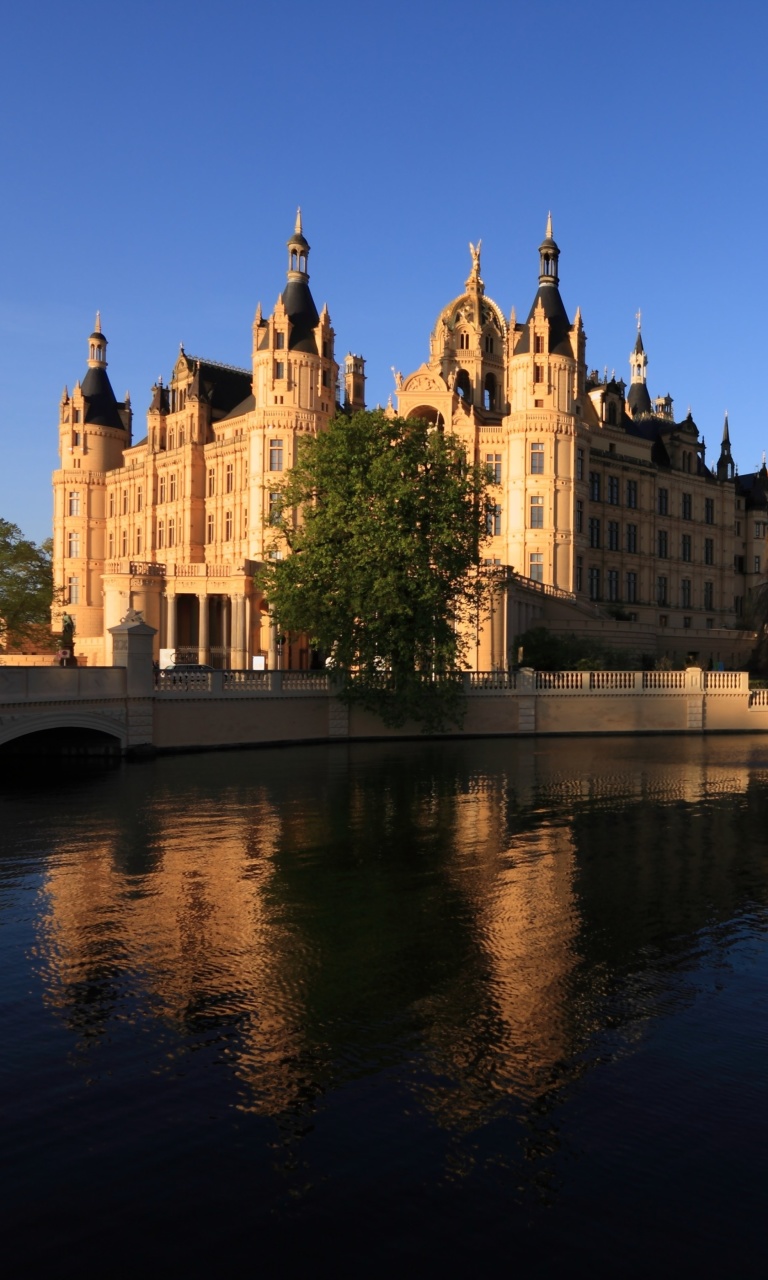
[[280, 341], [538, 344]]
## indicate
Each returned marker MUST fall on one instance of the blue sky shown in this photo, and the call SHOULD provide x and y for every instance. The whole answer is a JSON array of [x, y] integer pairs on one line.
[[153, 156]]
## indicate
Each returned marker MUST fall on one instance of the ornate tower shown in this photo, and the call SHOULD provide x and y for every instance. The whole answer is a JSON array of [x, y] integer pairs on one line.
[[726, 467], [94, 431], [638, 399]]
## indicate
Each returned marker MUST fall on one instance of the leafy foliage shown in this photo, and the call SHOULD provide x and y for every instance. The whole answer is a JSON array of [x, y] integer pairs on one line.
[[384, 519], [26, 587], [553, 651]]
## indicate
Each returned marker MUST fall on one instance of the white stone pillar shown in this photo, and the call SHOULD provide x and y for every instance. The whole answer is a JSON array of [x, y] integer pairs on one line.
[[226, 629], [170, 623]]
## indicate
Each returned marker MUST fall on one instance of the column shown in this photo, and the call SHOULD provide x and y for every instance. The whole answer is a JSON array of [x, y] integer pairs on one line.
[[170, 623], [203, 629], [226, 630], [239, 655]]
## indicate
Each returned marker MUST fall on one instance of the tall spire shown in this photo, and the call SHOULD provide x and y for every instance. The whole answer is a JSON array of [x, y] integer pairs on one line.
[[638, 399], [548, 257], [297, 230], [726, 467], [97, 326], [298, 252]]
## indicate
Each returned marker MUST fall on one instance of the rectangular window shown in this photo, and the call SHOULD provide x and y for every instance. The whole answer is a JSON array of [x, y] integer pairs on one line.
[[579, 573], [709, 551], [632, 538], [229, 478], [138, 542], [489, 344], [171, 532], [661, 590], [709, 595], [709, 511], [211, 482], [538, 344], [494, 521], [228, 527], [275, 508], [73, 589], [594, 532], [613, 490], [538, 373], [662, 544], [275, 455], [111, 503], [537, 459], [493, 462], [125, 502], [579, 516], [279, 369], [594, 486], [209, 527], [685, 547], [632, 493], [685, 593], [662, 502], [73, 545], [594, 584], [161, 489], [613, 535], [757, 564], [161, 533], [536, 569], [74, 504], [124, 543], [280, 341], [612, 582], [172, 487], [631, 588], [687, 622], [579, 464], [537, 513], [139, 498], [110, 545], [687, 507]]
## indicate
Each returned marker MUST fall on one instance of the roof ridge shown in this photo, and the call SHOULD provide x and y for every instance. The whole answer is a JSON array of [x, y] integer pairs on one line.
[[219, 364]]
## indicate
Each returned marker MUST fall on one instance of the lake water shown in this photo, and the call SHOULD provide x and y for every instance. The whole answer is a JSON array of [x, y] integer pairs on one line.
[[408, 1007]]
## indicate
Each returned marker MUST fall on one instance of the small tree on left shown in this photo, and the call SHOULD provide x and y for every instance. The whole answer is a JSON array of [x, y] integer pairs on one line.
[[26, 588]]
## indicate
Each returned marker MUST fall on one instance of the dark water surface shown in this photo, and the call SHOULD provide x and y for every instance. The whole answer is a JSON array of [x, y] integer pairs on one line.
[[447, 1008]]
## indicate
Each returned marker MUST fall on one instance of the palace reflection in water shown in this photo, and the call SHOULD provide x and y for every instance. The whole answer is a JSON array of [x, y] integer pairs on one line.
[[467, 936]]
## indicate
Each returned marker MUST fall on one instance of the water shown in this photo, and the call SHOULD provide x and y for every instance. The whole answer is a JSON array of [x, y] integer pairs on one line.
[[444, 1007]]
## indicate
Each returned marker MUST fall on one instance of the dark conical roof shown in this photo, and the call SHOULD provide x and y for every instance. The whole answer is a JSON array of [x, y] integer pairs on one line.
[[101, 407], [638, 399], [559, 324], [302, 313], [639, 348]]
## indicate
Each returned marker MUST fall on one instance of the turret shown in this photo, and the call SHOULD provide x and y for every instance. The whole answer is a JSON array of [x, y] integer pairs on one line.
[[726, 467]]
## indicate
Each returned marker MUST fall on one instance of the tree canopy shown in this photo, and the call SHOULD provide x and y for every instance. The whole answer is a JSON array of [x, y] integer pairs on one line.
[[26, 586], [384, 519]]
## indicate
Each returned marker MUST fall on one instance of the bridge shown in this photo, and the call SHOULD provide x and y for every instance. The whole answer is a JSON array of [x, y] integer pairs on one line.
[[128, 709]]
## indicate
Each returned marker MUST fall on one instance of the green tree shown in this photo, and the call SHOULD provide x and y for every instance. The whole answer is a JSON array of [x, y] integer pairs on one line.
[[384, 519], [26, 586]]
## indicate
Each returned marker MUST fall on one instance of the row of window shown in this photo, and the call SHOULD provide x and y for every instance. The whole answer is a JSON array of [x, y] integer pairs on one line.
[[612, 540], [608, 587], [612, 497]]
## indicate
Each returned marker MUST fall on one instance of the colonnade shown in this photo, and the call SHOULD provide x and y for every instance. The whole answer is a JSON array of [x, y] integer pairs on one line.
[[220, 629]]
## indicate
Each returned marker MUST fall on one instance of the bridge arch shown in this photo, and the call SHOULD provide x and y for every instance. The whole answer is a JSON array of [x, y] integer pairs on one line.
[[112, 734]]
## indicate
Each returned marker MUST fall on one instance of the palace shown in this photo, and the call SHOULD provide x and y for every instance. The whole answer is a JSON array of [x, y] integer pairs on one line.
[[605, 504]]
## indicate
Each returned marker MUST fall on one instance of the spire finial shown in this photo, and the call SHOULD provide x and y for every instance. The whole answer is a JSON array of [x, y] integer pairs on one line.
[[298, 229], [548, 235], [97, 328], [638, 317]]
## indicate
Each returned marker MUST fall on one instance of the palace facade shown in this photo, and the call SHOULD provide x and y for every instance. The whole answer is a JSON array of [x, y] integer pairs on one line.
[[604, 501]]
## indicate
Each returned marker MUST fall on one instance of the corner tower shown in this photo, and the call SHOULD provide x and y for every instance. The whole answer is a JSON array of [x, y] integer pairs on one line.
[[94, 431]]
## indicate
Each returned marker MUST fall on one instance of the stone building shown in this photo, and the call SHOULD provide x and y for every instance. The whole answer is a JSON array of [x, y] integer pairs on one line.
[[605, 504]]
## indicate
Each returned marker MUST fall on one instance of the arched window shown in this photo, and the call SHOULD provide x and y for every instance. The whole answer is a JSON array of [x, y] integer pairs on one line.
[[489, 391], [463, 385]]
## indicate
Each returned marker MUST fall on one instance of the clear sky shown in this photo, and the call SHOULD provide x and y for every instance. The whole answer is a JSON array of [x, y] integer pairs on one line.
[[153, 155]]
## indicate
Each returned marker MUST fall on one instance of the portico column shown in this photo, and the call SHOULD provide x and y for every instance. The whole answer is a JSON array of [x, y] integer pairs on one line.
[[226, 628], [238, 632], [203, 628], [170, 623]]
